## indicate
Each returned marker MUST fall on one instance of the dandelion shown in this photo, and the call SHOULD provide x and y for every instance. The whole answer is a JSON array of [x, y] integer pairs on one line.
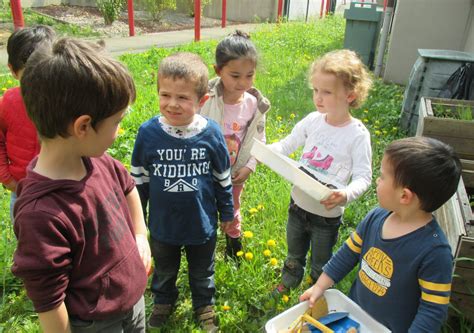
[[271, 242], [225, 307], [267, 253], [239, 253], [285, 298], [260, 207], [279, 118], [378, 132], [10, 82], [253, 210], [4, 89], [121, 131], [274, 140], [248, 234], [366, 120], [292, 155], [292, 116], [273, 261], [249, 255]]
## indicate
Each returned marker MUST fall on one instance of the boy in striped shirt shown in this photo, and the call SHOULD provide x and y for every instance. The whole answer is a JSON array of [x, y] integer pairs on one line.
[[405, 261]]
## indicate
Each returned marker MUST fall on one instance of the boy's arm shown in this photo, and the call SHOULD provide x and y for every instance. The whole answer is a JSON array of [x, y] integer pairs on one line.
[[134, 206], [5, 176], [56, 320], [434, 278]]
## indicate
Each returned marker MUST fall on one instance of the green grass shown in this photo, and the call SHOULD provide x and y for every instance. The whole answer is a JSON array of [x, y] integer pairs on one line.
[[242, 292]]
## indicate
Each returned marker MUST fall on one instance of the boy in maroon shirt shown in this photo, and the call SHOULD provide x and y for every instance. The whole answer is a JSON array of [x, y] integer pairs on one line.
[[82, 247]]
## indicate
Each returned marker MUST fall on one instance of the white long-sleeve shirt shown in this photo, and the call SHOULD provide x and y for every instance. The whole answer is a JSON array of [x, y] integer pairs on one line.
[[341, 156]]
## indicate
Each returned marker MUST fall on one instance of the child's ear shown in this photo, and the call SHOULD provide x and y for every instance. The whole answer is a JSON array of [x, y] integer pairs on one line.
[[407, 196], [81, 126], [351, 97], [14, 74], [203, 100]]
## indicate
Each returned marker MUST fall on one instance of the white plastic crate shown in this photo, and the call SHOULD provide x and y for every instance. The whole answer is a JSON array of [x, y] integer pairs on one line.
[[336, 301]]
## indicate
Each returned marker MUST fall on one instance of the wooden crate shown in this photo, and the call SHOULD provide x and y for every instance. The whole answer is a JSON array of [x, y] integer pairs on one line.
[[456, 219], [457, 133]]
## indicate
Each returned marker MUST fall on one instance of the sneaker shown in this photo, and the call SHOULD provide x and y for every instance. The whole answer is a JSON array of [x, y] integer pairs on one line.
[[160, 315], [206, 317]]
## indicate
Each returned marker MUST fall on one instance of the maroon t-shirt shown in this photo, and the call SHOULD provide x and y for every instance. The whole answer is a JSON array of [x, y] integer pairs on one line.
[[76, 241]]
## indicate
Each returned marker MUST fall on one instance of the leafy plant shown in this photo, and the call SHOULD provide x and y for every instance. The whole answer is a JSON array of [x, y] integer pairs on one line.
[[188, 6], [110, 10], [156, 7], [454, 111]]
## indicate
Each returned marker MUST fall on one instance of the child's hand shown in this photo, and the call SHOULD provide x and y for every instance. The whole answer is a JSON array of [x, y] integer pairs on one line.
[[312, 294], [337, 198], [225, 226], [144, 251], [11, 186], [241, 175]]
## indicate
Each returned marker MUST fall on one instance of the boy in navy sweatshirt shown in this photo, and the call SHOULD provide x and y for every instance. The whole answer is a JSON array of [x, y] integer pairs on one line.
[[82, 247], [182, 169], [404, 258]]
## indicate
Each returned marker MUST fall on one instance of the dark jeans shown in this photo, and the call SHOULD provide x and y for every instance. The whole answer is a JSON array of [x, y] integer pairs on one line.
[[304, 231], [131, 322], [200, 259]]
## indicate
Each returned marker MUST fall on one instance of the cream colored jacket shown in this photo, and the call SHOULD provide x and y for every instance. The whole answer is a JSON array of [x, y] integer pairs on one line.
[[214, 109]]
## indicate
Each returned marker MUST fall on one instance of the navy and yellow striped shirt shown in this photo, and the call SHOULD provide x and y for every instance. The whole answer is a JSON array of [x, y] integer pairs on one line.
[[404, 282]]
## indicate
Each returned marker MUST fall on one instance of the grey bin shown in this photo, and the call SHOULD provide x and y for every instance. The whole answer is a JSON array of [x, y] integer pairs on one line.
[[362, 30], [429, 74]]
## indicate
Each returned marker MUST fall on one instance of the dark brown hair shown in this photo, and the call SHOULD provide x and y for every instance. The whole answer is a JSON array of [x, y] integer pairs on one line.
[[24, 41], [235, 46], [426, 166], [187, 66], [71, 79]]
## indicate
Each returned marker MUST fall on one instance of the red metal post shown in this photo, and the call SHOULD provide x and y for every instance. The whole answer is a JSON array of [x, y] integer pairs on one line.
[[280, 10], [224, 13], [322, 9], [197, 20], [384, 5], [17, 14], [131, 20]]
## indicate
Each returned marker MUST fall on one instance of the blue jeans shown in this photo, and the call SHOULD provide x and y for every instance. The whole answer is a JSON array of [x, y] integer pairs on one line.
[[304, 231], [200, 259], [12, 203], [130, 322]]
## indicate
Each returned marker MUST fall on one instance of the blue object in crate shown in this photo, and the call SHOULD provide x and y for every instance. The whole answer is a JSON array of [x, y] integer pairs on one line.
[[339, 322]]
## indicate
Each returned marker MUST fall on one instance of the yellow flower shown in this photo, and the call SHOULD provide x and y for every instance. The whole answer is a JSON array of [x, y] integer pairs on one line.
[[267, 253], [240, 253], [271, 242], [253, 210], [377, 132], [366, 111], [275, 140], [285, 298], [10, 82], [225, 308], [279, 118], [248, 234], [292, 116], [121, 131], [260, 207], [292, 155], [366, 120], [249, 255], [274, 261], [4, 89]]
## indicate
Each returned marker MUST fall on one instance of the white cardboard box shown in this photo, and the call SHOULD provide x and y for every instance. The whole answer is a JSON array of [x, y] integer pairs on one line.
[[289, 169], [337, 301]]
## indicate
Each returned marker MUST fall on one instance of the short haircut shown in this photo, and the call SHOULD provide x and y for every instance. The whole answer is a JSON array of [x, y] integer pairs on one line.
[[24, 41], [71, 79], [426, 166], [234, 47], [186, 66], [348, 67]]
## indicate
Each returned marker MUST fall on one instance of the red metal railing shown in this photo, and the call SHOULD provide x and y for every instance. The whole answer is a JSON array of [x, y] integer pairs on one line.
[[224, 13], [197, 20], [131, 20], [17, 13]]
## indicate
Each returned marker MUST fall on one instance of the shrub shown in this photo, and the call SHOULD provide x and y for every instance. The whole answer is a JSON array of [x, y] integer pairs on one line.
[[156, 7], [110, 9], [188, 6]]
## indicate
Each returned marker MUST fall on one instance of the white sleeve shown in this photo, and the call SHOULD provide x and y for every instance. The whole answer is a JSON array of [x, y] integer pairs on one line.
[[361, 178], [295, 139]]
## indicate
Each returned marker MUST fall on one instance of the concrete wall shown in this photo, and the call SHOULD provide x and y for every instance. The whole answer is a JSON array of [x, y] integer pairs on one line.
[[469, 45], [40, 3], [426, 24], [244, 10]]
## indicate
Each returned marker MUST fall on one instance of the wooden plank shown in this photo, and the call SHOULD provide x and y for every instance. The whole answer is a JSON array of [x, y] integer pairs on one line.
[[449, 127], [464, 303], [465, 250], [463, 281], [451, 221]]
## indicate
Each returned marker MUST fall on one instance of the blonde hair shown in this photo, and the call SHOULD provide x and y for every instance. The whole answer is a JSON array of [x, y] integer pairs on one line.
[[347, 66]]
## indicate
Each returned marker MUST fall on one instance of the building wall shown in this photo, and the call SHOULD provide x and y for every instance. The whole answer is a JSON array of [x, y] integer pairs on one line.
[[469, 45], [426, 24], [244, 10]]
